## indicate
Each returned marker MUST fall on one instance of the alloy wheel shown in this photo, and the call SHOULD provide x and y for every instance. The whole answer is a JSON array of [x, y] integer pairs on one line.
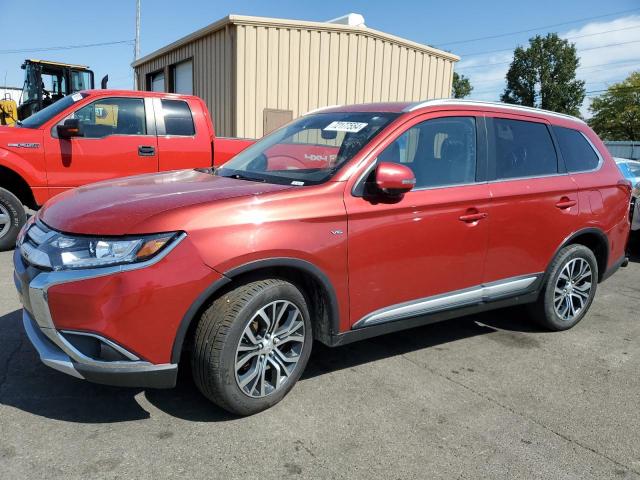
[[573, 288], [269, 348], [5, 221]]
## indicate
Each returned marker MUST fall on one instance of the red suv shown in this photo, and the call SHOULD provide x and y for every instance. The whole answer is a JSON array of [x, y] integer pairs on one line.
[[347, 223]]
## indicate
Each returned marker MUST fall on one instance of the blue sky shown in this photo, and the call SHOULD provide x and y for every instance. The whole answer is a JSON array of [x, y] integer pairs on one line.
[[437, 23]]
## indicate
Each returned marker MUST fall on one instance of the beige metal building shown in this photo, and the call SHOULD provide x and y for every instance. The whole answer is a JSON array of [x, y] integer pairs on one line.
[[256, 73]]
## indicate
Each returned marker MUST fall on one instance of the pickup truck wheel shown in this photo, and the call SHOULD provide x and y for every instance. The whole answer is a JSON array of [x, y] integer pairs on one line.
[[569, 290], [12, 218], [251, 346]]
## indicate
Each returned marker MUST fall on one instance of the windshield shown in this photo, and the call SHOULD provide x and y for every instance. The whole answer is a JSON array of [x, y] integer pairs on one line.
[[39, 118], [309, 150]]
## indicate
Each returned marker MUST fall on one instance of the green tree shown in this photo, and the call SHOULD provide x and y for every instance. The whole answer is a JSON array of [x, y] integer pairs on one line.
[[461, 86], [616, 113], [543, 75]]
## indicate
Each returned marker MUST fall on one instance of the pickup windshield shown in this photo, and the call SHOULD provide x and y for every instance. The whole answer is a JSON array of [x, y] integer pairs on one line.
[[43, 116], [309, 150]]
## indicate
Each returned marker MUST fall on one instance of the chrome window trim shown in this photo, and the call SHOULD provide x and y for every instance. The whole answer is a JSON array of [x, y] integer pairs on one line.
[[450, 300], [531, 177]]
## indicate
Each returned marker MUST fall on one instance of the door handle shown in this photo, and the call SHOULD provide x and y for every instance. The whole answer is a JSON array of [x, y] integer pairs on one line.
[[146, 151], [565, 203], [473, 217]]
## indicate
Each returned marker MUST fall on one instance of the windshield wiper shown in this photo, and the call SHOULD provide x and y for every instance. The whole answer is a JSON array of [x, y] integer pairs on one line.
[[239, 176]]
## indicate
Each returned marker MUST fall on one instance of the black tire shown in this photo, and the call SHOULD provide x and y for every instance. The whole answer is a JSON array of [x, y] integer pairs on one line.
[[219, 332], [544, 311], [11, 206]]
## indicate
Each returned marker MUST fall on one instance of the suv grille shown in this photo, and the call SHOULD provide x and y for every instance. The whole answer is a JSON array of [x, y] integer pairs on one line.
[[36, 236]]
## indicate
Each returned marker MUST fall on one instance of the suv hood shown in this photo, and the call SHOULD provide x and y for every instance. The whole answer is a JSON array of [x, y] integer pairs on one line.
[[115, 207]]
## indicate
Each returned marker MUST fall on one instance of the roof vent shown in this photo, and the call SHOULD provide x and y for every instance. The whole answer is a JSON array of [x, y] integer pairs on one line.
[[351, 19]]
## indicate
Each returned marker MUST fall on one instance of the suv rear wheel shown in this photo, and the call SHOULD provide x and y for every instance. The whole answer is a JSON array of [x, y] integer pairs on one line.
[[12, 218], [569, 290], [251, 346]]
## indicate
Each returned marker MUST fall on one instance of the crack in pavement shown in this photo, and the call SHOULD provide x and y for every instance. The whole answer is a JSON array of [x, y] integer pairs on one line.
[[522, 415]]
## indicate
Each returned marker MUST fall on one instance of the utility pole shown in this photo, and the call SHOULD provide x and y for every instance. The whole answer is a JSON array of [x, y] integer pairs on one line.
[[136, 47]]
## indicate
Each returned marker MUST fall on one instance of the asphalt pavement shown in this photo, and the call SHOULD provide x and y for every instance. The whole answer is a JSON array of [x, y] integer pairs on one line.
[[485, 396]]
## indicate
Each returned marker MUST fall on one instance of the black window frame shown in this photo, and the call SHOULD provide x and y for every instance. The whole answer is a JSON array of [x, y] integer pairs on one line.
[[492, 174], [149, 80], [171, 87]]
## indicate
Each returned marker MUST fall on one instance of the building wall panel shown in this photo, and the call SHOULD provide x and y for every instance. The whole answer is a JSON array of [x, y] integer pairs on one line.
[[241, 69], [212, 72]]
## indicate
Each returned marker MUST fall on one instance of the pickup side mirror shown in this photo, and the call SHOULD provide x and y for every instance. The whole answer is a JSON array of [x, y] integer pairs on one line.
[[70, 128], [394, 178]]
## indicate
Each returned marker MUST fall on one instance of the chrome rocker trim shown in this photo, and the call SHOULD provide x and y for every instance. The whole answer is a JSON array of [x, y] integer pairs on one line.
[[457, 299]]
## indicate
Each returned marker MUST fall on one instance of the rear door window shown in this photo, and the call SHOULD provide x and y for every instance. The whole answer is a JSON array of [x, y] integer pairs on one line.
[[522, 149], [576, 151], [177, 118]]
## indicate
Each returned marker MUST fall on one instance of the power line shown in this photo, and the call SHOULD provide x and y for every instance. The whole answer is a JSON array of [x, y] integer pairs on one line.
[[622, 64], [65, 47], [614, 88], [581, 50], [481, 92], [457, 42], [566, 38]]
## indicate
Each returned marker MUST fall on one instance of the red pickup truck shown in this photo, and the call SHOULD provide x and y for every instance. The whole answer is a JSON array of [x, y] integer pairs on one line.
[[98, 135]]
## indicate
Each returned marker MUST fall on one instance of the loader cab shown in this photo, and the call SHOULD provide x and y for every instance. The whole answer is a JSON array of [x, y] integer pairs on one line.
[[47, 82]]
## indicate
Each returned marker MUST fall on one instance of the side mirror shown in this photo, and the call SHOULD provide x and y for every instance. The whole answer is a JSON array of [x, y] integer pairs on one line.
[[70, 128], [394, 178]]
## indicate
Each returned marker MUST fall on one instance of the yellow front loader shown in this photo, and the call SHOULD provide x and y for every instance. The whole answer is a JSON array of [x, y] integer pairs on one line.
[[8, 110]]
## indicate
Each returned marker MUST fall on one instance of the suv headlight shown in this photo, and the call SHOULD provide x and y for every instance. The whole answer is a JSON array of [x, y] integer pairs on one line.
[[67, 252]]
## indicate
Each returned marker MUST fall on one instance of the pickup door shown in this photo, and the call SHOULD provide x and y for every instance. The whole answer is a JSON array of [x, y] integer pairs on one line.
[[118, 139], [184, 134]]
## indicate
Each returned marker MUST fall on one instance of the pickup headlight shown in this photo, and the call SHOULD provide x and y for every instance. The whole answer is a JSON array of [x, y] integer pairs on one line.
[[67, 252]]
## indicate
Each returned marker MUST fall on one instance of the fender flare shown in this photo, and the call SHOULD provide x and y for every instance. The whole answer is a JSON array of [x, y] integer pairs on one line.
[[281, 262], [569, 240]]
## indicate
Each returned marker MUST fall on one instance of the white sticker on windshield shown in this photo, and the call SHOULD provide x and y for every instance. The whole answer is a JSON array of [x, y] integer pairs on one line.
[[76, 97], [350, 127], [297, 183]]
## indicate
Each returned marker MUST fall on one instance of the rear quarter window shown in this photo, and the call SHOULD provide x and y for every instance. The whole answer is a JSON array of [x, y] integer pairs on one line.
[[577, 152]]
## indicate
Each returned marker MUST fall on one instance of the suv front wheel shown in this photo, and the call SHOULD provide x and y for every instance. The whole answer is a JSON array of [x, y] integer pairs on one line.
[[569, 289], [251, 346]]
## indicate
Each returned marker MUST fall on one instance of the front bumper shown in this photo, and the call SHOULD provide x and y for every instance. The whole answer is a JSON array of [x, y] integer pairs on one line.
[[133, 374], [77, 353]]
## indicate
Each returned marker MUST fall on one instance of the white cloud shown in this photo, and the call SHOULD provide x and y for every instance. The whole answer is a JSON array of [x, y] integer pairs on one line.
[[594, 42]]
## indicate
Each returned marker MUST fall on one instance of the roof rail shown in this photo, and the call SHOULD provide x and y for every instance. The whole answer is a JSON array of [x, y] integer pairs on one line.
[[319, 109], [480, 103]]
